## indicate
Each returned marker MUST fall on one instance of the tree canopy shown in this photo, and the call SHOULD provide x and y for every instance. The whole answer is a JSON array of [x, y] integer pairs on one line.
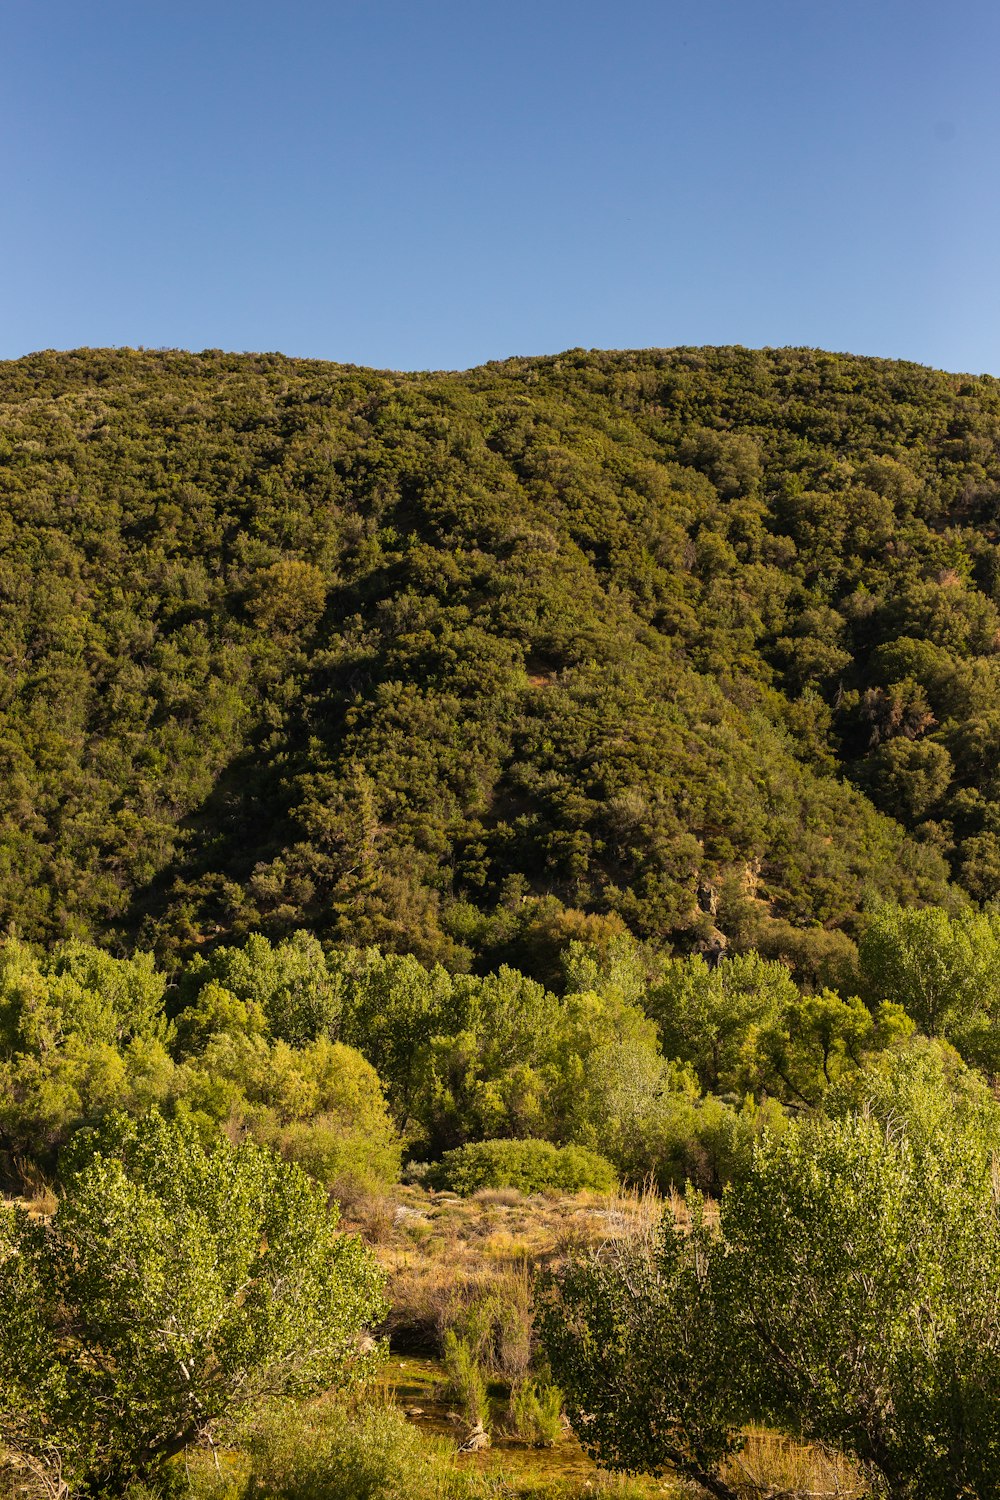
[[676, 639], [173, 1286]]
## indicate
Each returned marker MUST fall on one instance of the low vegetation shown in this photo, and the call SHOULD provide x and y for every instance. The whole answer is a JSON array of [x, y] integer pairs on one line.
[[837, 1293]]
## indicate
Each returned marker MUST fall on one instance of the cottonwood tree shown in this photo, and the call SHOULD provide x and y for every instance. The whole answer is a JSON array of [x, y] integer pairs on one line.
[[635, 1341], [849, 1296], [172, 1287]]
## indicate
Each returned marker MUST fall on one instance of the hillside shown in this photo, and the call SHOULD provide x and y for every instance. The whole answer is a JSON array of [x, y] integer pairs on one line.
[[682, 639]]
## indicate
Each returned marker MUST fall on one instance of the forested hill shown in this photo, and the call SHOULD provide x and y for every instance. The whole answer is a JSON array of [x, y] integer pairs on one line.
[[686, 638]]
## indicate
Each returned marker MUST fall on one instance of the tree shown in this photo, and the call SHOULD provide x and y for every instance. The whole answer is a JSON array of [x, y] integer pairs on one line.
[[636, 1346], [848, 1296], [944, 970], [173, 1287], [858, 1274], [288, 984], [711, 1017], [818, 1039]]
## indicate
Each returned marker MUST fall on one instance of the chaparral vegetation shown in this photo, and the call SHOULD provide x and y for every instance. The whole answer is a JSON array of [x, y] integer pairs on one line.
[[500, 884]]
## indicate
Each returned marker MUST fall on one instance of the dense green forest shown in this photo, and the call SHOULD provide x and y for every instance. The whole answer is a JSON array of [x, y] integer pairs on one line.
[[173, 1276], [565, 790], [699, 643]]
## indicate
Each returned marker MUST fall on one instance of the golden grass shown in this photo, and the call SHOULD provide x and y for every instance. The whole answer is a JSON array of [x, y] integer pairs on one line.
[[442, 1253], [779, 1468]]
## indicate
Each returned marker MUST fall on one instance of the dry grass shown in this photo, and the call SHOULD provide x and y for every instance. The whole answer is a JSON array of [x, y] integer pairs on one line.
[[444, 1254], [448, 1258], [772, 1467]]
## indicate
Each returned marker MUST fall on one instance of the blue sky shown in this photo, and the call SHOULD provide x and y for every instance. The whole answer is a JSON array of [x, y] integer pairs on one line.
[[438, 183]]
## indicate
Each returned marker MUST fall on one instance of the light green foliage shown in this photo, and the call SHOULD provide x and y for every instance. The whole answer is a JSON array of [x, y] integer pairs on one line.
[[172, 1287], [466, 1377], [928, 1086], [71, 1057], [216, 1011], [816, 1040], [619, 968], [290, 984], [80, 1033], [394, 1007], [466, 1057], [484, 1070], [530, 1165], [711, 1018], [858, 1271], [636, 1343], [320, 1105], [944, 970], [536, 1413], [746, 1028], [373, 1455], [76, 991], [848, 1296], [338, 1128]]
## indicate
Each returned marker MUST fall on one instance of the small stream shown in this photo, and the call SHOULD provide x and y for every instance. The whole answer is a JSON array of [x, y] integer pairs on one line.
[[418, 1386]]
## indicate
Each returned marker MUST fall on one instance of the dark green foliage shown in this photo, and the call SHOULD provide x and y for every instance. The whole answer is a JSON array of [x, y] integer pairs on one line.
[[532, 1166], [291, 644]]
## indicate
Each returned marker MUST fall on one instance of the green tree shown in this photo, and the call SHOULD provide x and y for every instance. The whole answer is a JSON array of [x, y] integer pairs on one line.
[[288, 983], [637, 1347], [857, 1270], [944, 970], [712, 1017], [173, 1286], [817, 1039], [848, 1296]]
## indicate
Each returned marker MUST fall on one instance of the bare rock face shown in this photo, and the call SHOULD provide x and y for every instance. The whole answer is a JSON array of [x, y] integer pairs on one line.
[[477, 1439], [713, 947]]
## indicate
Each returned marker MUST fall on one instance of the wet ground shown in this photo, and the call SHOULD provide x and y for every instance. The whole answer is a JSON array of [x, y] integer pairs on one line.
[[419, 1386]]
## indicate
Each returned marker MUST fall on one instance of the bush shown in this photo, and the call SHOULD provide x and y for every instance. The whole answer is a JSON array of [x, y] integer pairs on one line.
[[536, 1413], [847, 1297], [466, 1378], [532, 1166], [172, 1288], [371, 1455]]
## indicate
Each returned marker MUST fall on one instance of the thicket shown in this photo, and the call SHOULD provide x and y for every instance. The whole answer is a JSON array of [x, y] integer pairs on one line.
[[348, 1061], [851, 1145], [678, 639], [531, 1166], [173, 1288], [846, 1294]]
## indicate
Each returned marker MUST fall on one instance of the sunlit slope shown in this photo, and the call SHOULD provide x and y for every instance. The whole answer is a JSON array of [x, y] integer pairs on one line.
[[289, 643]]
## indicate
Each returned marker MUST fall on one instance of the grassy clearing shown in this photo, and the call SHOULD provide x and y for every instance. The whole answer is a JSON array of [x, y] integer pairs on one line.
[[447, 1256], [444, 1254]]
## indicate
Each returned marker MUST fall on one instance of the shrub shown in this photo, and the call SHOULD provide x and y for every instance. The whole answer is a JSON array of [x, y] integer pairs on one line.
[[371, 1455], [466, 1377], [172, 1288], [536, 1413], [847, 1297], [530, 1165]]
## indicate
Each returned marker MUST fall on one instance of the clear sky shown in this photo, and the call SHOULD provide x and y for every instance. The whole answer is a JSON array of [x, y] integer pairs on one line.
[[436, 183]]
